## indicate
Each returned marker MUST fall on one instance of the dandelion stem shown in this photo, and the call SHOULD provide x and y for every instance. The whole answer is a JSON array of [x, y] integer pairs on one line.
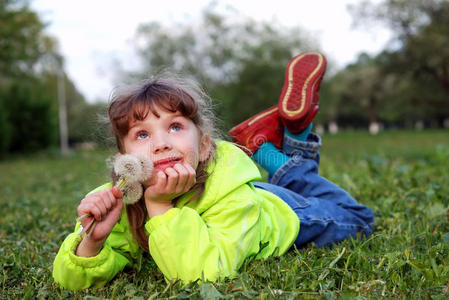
[[87, 227], [92, 229], [121, 183], [79, 219]]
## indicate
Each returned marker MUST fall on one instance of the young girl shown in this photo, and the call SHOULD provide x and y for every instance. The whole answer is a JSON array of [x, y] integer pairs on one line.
[[203, 213]]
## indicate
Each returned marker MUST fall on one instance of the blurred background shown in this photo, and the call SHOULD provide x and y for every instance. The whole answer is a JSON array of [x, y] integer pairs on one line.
[[388, 62]]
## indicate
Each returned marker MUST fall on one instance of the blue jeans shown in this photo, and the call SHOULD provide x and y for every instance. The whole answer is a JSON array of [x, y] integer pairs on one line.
[[327, 213]]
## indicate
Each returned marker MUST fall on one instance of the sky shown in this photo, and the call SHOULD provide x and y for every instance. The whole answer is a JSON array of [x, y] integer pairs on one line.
[[94, 35]]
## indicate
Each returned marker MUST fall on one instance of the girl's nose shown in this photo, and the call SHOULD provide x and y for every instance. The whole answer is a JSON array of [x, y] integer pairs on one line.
[[160, 144]]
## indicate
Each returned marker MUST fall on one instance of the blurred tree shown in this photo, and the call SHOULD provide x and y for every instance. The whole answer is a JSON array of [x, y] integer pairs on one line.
[[79, 127], [5, 127], [20, 36], [29, 64], [30, 119], [357, 93], [259, 70], [240, 62], [405, 17], [419, 60], [329, 101], [27, 119], [89, 125]]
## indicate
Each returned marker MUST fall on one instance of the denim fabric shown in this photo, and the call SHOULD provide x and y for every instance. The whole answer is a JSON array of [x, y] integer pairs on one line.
[[327, 213]]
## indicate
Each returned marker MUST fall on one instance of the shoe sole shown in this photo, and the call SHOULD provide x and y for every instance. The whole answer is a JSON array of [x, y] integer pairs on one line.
[[288, 108]]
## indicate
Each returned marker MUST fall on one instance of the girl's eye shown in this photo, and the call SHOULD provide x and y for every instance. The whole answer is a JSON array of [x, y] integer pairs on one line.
[[175, 127], [142, 135]]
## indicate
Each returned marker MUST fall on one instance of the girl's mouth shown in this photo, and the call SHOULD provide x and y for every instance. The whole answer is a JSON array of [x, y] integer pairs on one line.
[[165, 163]]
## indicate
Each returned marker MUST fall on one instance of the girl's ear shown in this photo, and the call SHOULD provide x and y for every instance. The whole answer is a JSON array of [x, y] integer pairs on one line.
[[205, 145]]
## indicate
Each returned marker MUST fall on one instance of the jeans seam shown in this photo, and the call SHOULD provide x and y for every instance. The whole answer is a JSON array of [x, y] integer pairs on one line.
[[313, 143], [327, 221]]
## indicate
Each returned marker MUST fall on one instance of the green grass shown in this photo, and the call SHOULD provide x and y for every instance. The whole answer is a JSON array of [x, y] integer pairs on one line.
[[402, 176]]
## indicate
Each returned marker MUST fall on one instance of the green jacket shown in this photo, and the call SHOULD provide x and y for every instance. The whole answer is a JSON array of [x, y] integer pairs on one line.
[[207, 238]]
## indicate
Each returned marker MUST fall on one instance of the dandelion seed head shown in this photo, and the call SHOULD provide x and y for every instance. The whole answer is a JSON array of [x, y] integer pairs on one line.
[[147, 166], [132, 192], [129, 167]]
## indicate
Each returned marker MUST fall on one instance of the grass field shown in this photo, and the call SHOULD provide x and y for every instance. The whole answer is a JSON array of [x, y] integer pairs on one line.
[[402, 176]]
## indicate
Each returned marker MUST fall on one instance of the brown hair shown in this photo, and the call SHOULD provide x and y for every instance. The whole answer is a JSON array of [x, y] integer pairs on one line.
[[172, 94]]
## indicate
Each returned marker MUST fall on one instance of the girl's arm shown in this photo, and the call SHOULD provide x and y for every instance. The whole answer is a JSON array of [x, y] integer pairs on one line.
[[76, 273], [79, 264]]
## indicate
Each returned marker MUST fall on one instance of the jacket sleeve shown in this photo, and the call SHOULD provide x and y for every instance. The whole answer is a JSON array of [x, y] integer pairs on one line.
[[76, 273], [188, 246]]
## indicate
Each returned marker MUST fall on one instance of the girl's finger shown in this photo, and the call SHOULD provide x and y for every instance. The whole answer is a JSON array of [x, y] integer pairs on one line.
[[109, 200], [85, 207], [192, 178], [189, 168], [84, 214], [92, 209], [161, 180], [99, 202], [116, 193], [103, 211], [172, 180], [115, 211], [183, 177], [159, 183]]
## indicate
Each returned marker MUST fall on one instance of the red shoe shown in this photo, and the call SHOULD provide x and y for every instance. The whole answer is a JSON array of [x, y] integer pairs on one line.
[[298, 103], [263, 127]]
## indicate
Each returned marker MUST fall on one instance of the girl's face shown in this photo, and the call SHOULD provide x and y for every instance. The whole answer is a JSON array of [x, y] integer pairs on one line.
[[167, 138]]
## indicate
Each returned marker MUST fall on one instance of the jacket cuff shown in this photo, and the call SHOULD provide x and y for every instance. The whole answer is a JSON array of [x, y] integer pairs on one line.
[[155, 222], [73, 240]]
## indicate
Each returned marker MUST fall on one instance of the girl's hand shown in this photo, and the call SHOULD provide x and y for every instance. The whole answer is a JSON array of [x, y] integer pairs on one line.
[[166, 186], [105, 207]]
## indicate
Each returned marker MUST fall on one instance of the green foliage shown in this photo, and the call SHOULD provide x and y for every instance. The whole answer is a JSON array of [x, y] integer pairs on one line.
[[5, 128], [29, 65], [356, 93], [28, 120], [240, 62], [20, 36], [256, 86], [84, 119], [26, 116], [410, 81], [402, 176]]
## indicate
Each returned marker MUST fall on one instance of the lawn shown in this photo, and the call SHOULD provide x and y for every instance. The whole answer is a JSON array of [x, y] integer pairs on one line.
[[402, 176]]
